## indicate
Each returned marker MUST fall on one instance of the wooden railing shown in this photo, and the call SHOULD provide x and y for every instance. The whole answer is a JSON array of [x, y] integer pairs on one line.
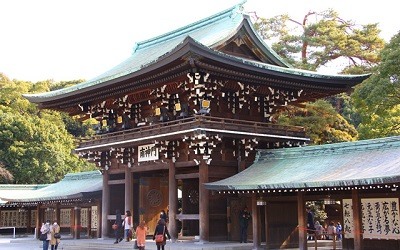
[[202, 122]]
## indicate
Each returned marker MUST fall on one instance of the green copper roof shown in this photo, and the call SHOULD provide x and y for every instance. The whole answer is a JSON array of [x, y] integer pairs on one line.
[[209, 32], [367, 162], [15, 190], [73, 186]]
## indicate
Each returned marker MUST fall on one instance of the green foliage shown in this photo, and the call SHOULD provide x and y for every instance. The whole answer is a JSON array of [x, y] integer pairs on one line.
[[317, 207], [35, 147], [321, 38], [323, 124], [378, 98]]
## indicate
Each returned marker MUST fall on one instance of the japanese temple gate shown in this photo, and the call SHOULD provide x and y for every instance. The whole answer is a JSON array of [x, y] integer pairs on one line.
[[187, 108]]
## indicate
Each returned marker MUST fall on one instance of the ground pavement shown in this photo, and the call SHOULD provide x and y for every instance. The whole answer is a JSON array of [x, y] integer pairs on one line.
[[106, 244]]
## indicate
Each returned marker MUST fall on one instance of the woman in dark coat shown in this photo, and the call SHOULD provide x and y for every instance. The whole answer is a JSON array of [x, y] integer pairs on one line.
[[161, 228]]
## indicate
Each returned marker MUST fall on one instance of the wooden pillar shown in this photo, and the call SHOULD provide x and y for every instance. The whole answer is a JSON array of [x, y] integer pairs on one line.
[[89, 223], [77, 222], [203, 202], [38, 220], [58, 214], [357, 219], [301, 221], [267, 239], [28, 220], [255, 222], [172, 201], [105, 205], [99, 219], [128, 190]]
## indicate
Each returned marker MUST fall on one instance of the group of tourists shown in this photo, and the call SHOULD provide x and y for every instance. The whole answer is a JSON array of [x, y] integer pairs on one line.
[[50, 235], [331, 232], [160, 233]]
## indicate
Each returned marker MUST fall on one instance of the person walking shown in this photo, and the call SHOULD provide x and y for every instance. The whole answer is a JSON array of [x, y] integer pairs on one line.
[[244, 217], [141, 232], [117, 226], [128, 226], [161, 229], [54, 229], [45, 229]]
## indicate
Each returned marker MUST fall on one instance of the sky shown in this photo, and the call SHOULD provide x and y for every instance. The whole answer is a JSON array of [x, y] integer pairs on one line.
[[65, 40]]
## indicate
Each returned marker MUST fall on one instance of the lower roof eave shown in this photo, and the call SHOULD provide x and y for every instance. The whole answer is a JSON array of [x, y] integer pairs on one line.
[[370, 183]]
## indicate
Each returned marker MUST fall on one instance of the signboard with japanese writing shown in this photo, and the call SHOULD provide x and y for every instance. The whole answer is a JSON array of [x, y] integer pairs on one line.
[[380, 218], [147, 152], [348, 228]]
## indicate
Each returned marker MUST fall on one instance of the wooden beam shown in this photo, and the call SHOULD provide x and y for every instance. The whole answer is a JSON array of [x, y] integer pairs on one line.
[[185, 164], [128, 190], [301, 221], [172, 201], [116, 182], [357, 219], [267, 239], [255, 222], [105, 206], [187, 176], [188, 216], [204, 220], [147, 168]]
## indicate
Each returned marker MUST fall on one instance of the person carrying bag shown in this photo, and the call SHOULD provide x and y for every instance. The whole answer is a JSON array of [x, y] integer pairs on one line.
[[160, 234]]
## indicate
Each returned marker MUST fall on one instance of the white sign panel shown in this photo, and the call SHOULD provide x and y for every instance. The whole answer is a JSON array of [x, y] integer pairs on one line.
[[147, 153], [348, 228], [380, 218]]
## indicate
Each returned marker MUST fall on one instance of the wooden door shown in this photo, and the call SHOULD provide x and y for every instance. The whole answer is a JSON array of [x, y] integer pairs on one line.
[[153, 198]]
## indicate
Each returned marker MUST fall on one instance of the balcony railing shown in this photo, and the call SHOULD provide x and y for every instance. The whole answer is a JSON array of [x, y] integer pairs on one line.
[[207, 123]]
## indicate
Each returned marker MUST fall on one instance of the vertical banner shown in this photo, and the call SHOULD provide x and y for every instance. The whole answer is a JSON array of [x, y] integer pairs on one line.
[[348, 226], [380, 218]]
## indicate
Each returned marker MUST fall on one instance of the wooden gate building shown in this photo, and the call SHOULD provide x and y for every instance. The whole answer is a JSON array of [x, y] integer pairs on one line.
[[186, 108]]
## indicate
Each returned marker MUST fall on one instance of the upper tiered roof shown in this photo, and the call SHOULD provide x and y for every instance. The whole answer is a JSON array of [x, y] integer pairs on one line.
[[207, 39]]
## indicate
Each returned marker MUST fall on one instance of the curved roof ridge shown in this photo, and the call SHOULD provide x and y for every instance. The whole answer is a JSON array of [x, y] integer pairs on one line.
[[82, 175], [190, 27], [333, 148]]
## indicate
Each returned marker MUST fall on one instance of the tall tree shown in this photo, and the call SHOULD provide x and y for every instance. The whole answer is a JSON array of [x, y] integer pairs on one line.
[[323, 124], [321, 38], [378, 98], [35, 147]]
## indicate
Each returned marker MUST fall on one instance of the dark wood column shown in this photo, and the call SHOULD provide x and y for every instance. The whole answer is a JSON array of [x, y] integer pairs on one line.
[[301, 221], [99, 219], [58, 214], [38, 220], [128, 191], [77, 222], [203, 202], [357, 219], [89, 223], [105, 205], [267, 239], [255, 222], [172, 201], [28, 222]]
